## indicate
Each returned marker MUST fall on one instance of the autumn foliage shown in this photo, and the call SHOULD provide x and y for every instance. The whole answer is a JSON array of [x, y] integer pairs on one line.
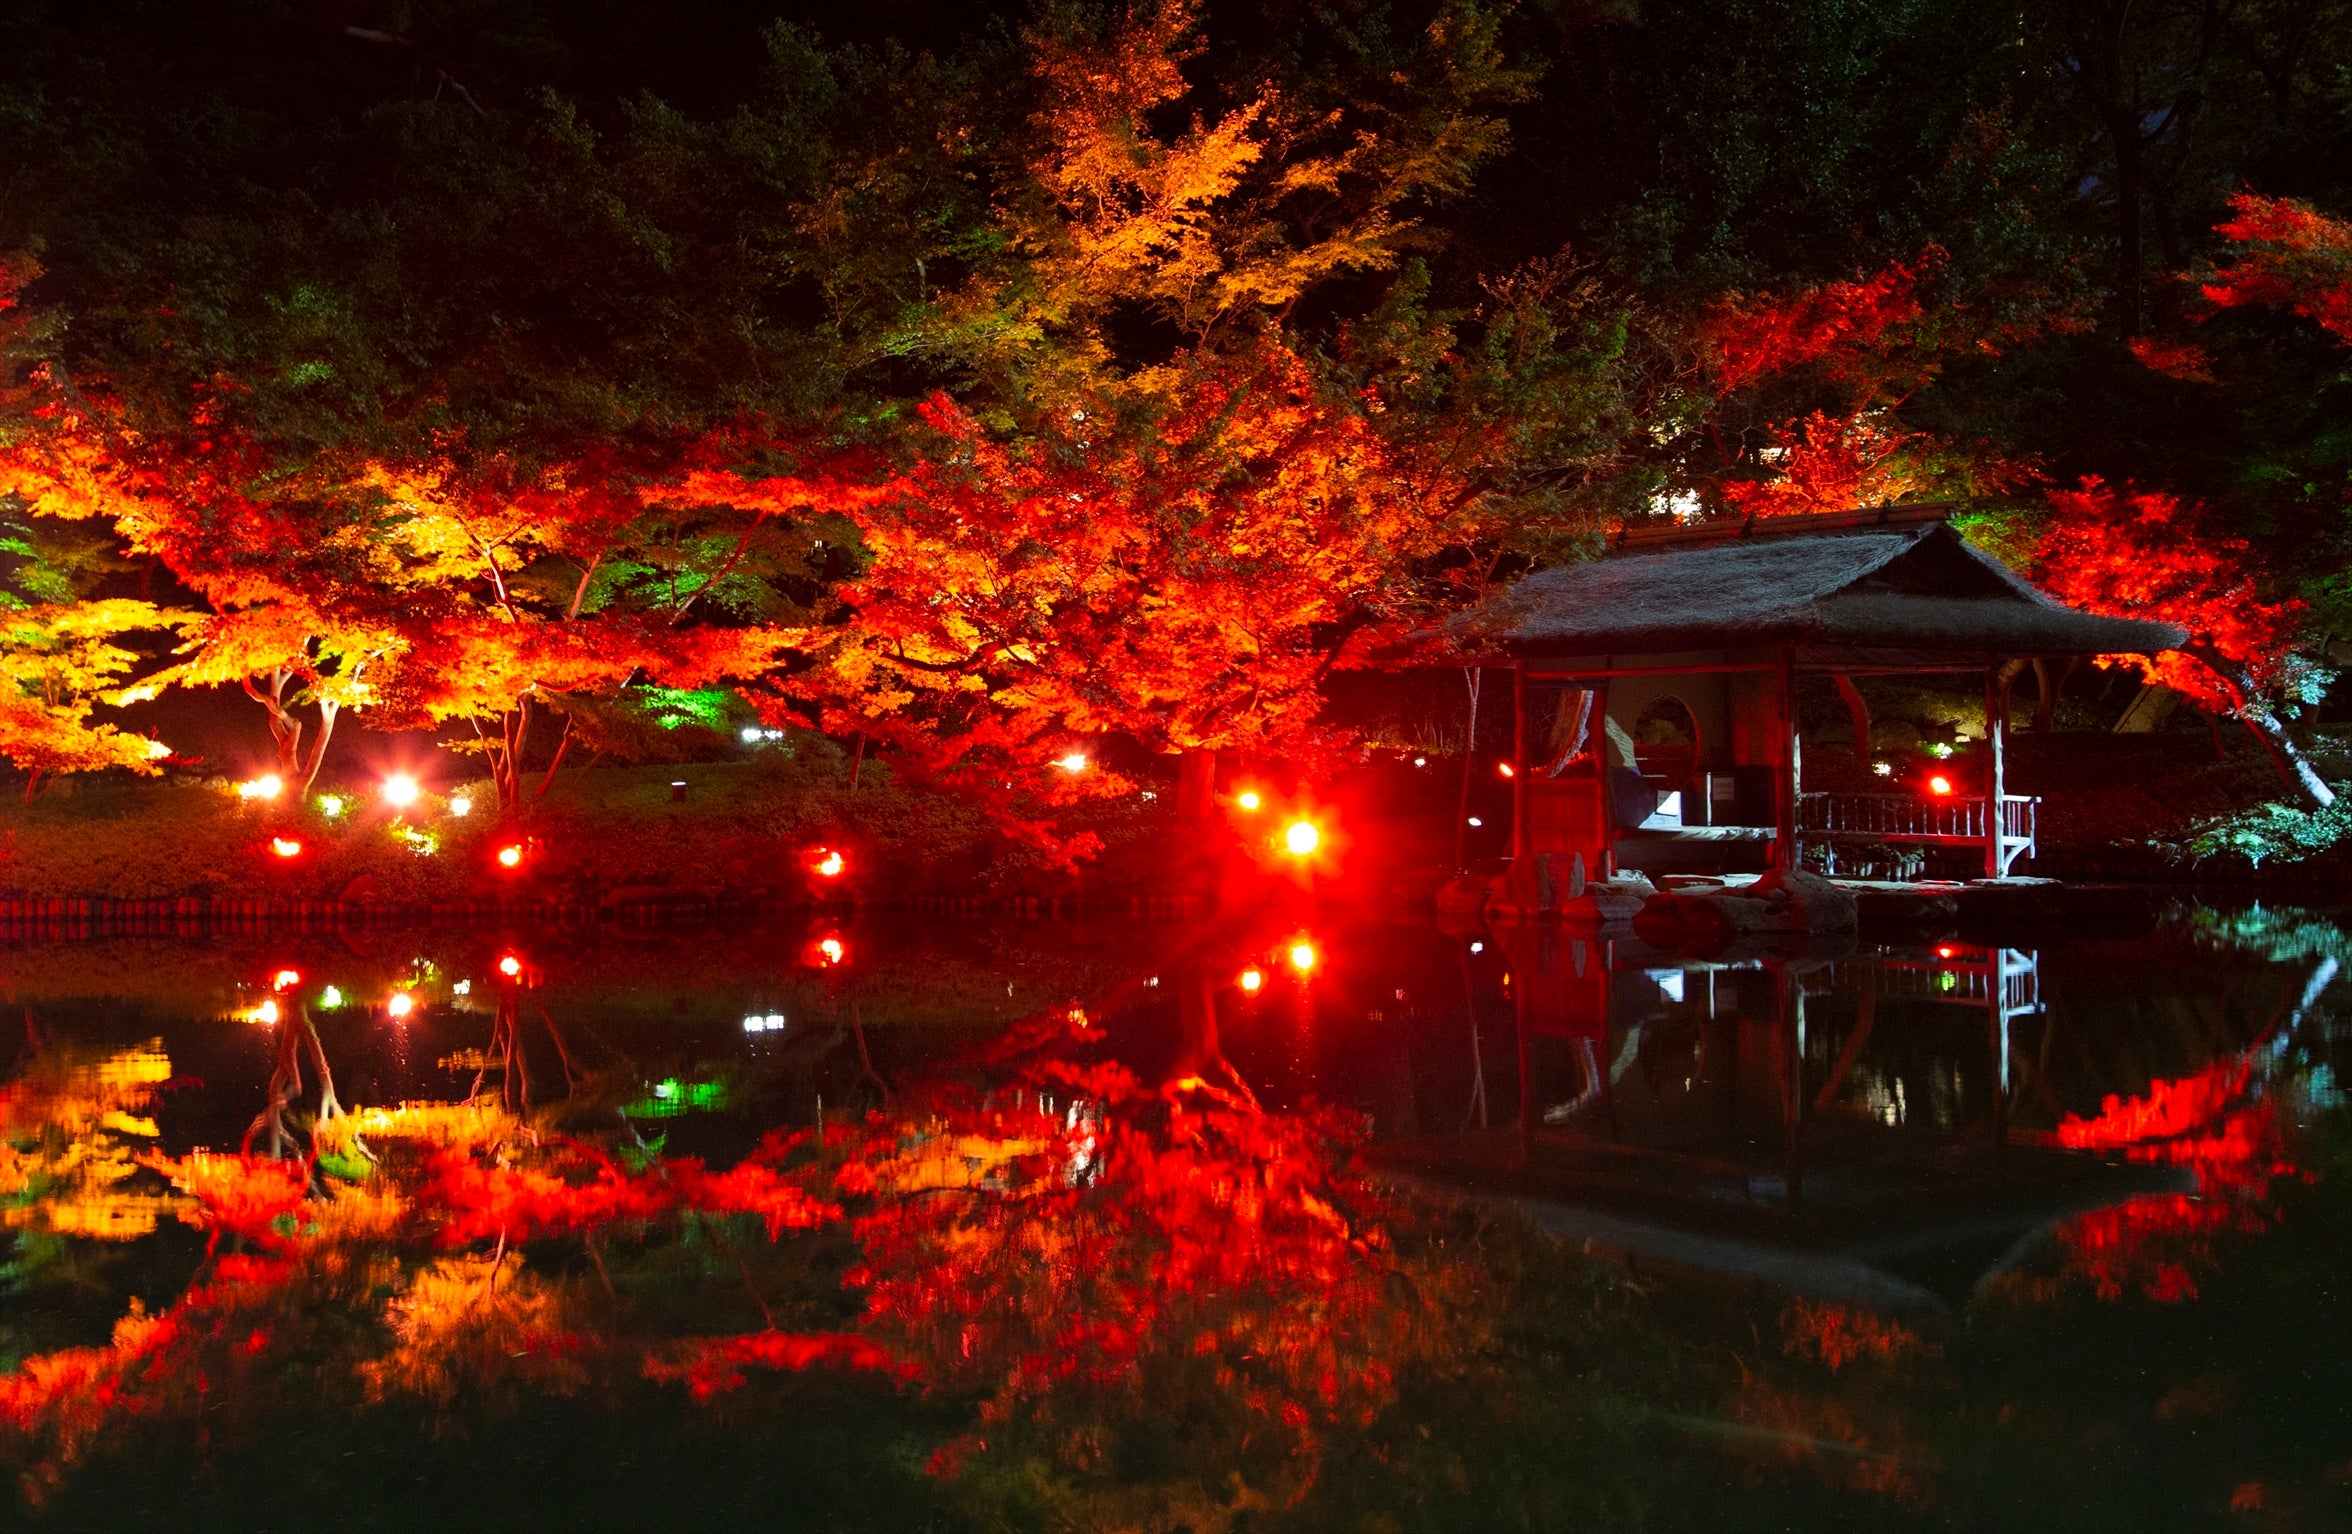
[[2290, 255], [1055, 1252], [2144, 554]]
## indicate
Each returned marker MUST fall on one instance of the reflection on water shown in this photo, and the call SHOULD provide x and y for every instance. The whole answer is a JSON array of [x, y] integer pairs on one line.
[[1161, 1228]]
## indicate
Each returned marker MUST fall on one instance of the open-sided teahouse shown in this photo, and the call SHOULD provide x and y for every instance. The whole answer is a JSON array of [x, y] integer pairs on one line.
[[1655, 688]]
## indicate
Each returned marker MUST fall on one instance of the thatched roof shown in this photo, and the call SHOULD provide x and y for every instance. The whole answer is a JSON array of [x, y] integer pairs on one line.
[[1920, 590]]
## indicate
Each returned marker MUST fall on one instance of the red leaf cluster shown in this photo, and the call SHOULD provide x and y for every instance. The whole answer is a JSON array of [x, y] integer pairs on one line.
[[2291, 256]]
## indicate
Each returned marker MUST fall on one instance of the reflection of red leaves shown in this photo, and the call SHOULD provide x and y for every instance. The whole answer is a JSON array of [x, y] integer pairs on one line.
[[1090, 1248], [2170, 1109], [251, 1197], [2157, 1244], [708, 1366]]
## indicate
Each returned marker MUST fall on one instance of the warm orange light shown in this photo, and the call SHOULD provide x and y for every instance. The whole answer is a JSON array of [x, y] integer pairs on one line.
[[1300, 837], [508, 857], [832, 950], [284, 979], [1302, 957], [400, 1004], [830, 865], [1939, 784], [285, 847], [1249, 799], [1251, 979], [400, 790], [267, 1012], [510, 966], [268, 786], [1504, 768]]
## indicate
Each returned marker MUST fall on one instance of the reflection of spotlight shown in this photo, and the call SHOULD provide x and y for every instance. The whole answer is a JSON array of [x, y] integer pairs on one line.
[[285, 847], [1301, 838], [510, 966], [1302, 957], [1249, 799], [1251, 979], [400, 790], [400, 1004], [508, 857]]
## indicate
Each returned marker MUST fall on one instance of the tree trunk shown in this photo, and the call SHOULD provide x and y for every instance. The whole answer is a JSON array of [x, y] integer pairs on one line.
[[1474, 676], [285, 729], [318, 751], [2265, 727], [1858, 707], [561, 743], [1196, 783]]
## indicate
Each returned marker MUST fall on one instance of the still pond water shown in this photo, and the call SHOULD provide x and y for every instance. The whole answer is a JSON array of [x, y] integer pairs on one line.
[[1270, 1225]]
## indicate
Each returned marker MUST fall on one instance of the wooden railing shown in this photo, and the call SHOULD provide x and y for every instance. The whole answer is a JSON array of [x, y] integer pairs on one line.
[[1952, 821]]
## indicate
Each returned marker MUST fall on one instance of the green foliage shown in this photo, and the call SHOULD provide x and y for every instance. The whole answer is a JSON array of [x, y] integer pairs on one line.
[[2275, 832]]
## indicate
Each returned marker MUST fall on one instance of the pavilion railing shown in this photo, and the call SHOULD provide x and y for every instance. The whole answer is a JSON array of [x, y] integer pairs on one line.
[[1909, 818]]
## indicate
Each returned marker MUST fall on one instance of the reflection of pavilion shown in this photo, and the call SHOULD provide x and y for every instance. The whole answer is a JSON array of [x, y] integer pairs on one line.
[[1831, 1121]]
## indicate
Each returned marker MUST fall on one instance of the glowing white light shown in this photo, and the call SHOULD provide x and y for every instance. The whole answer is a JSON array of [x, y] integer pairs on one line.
[[330, 805], [267, 786], [1302, 957], [461, 806], [1883, 769], [400, 790], [267, 1012], [1251, 979], [1474, 820], [400, 1004], [751, 735], [832, 950], [1420, 761], [1249, 799], [284, 978], [1301, 838], [768, 1022], [157, 750], [463, 988], [1478, 948], [331, 997], [1074, 762]]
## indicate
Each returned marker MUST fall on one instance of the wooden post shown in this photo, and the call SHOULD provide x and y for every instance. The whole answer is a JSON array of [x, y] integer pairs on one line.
[[1518, 760], [1784, 824], [1996, 777]]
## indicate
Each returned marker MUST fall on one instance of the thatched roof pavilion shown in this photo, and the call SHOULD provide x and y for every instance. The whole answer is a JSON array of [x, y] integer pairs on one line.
[[1692, 639], [1882, 596]]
